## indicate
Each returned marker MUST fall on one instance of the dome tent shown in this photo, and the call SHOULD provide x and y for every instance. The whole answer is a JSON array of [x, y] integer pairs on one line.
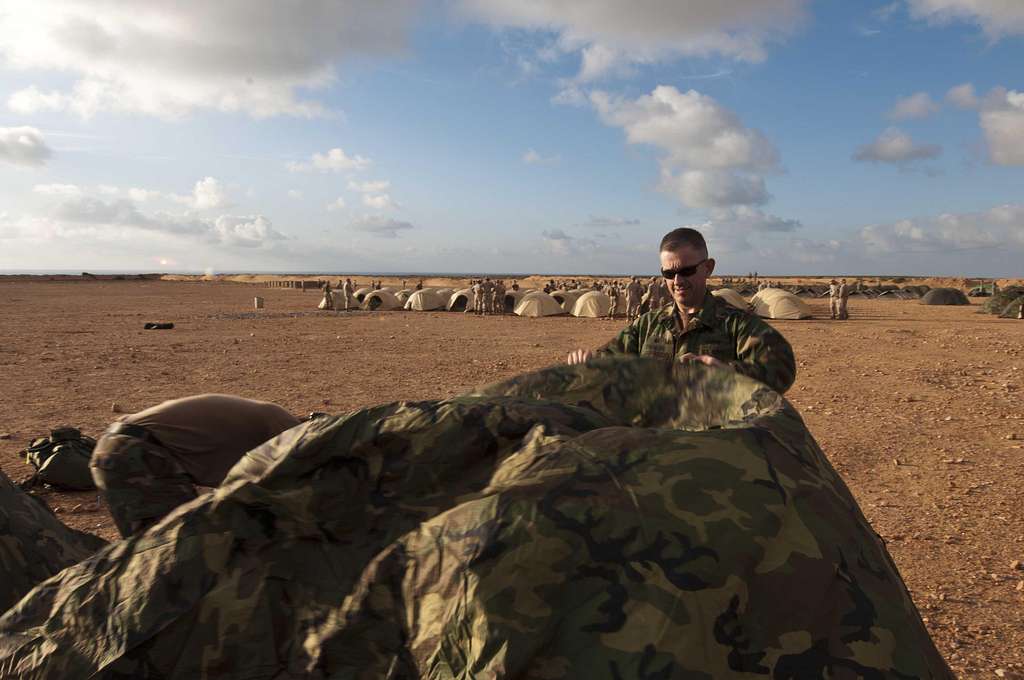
[[361, 294], [403, 295], [945, 296], [461, 300], [596, 305], [482, 557], [425, 300], [1012, 310], [512, 298], [566, 299], [538, 304], [732, 297], [381, 301], [774, 303], [997, 303]]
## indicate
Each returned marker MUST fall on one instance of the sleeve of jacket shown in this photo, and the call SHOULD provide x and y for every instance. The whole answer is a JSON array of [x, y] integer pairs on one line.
[[763, 353], [628, 341]]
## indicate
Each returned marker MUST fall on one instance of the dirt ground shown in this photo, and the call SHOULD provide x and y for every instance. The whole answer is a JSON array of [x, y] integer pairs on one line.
[[918, 407]]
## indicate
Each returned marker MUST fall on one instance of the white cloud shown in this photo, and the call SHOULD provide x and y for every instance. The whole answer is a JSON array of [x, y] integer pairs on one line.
[[896, 147], [23, 146], [918, 105], [610, 34], [962, 96], [167, 58], [998, 18], [57, 189], [1002, 120], [294, 194], [252, 231], [710, 158], [736, 229], [336, 204], [379, 201], [606, 222], [335, 160], [380, 226], [369, 187], [997, 228], [560, 243], [140, 195], [208, 194], [532, 157]]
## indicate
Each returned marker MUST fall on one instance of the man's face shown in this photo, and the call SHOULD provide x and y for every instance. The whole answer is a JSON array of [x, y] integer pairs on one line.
[[687, 291]]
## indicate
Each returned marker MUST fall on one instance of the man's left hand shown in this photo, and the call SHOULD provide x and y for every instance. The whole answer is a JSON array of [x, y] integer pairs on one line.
[[705, 359]]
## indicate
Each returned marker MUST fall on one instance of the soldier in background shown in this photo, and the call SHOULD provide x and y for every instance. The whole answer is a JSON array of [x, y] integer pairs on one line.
[[833, 299], [349, 291], [478, 298], [634, 291], [149, 463], [499, 297], [612, 291], [328, 300], [487, 289], [844, 297]]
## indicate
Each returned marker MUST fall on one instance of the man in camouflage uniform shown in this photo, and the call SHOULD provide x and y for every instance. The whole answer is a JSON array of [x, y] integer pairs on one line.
[[499, 297], [844, 298], [633, 293], [478, 297], [349, 291], [833, 299], [486, 291], [149, 463], [700, 327], [612, 291]]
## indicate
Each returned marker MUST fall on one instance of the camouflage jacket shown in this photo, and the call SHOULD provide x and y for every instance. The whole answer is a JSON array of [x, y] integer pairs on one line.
[[740, 339]]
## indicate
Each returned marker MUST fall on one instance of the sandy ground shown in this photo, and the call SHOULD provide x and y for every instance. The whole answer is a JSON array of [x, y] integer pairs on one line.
[[918, 407]]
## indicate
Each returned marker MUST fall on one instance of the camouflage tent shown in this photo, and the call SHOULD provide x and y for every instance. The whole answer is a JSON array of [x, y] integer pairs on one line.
[[34, 544], [998, 303], [945, 296], [623, 519], [1012, 310]]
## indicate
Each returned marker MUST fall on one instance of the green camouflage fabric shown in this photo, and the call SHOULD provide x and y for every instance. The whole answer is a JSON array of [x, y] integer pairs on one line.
[[625, 518], [998, 303], [737, 337], [141, 482], [34, 544], [61, 459]]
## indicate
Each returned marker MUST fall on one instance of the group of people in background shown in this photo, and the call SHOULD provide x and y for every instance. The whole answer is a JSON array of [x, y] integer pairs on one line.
[[838, 298], [488, 296]]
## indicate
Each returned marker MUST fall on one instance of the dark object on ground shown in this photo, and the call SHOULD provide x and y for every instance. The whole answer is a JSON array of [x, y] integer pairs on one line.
[[624, 518], [61, 460], [998, 303], [34, 544], [152, 325], [945, 296]]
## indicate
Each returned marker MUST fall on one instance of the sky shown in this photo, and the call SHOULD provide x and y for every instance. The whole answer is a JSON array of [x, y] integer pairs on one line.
[[529, 136]]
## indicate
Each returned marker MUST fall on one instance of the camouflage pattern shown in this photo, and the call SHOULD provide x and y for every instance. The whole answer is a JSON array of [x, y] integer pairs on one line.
[[141, 482], [737, 337], [625, 518], [34, 544]]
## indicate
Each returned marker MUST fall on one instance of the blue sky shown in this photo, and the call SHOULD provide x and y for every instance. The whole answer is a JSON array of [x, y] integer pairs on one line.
[[483, 135]]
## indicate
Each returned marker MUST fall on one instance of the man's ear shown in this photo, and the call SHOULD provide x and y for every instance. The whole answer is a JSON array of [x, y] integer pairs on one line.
[[711, 265]]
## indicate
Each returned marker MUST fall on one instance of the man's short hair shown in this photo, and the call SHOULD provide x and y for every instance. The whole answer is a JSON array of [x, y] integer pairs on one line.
[[683, 236]]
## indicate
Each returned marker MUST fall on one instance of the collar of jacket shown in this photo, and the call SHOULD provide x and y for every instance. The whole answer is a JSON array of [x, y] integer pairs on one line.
[[706, 316]]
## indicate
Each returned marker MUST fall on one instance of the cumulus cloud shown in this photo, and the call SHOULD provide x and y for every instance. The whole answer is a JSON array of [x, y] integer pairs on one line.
[[23, 146], [57, 189], [251, 231], [379, 201], [294, 194], [608, 34], [962, 96], [998, 227], [736, 229], [369, 187], [997, 18], [896, 147], [710, 158], [335, 160], [532, 157], [336, 204], [380, 226], [167, 58], [208, 194], [560, 243], [1002, 120], [918, 105]]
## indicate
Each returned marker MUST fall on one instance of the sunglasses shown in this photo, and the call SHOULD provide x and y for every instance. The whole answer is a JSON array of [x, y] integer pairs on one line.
[[670, 274]]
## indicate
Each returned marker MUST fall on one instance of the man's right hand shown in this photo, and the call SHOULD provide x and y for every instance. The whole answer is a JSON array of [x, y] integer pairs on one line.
[[579, 356]]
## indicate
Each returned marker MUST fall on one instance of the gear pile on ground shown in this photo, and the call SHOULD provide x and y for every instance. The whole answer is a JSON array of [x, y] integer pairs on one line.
[[623, 519], [34, 544]]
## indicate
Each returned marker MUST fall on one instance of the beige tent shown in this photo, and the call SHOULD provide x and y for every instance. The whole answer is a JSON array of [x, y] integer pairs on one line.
[[538, 304], [446, 293], [595, 304], [461, 300], [732, 297], [403, 295], [567, 298], [326, 303], [512, 298], [361, 294], [381, 301], [774, 303], [425, 300]]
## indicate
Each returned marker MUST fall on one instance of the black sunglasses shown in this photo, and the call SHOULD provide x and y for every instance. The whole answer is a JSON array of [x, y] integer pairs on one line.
[[683, 271]]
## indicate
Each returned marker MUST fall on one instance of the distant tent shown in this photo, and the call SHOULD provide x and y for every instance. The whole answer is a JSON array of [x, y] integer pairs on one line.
[[945, 296], [538, 304], [443, 292], [425, 300], [327, 301], [461, 300], [732, 297], [567, 298], [746, 290], [381, 301], [403, 295], [773, 303], [1012, 310], [596, 304], [917, 291], [512, 298], [997, 303], [979, 291], [361, 294]]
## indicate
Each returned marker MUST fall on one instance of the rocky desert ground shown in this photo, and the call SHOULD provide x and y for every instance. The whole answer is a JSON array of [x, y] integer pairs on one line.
[[918, 407]]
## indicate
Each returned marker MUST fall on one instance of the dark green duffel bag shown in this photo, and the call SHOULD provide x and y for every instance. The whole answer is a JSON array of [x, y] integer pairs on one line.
[[62, 459]]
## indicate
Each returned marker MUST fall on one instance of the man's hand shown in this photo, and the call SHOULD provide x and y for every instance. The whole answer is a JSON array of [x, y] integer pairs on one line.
[[705, 359], [579, 356]]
